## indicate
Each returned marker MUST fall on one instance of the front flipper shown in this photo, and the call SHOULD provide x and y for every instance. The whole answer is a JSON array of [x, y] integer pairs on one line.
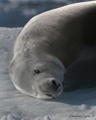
[[81, 74]]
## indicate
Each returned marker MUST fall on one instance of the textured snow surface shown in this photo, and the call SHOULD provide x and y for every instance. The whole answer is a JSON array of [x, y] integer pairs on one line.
[[77, 105]]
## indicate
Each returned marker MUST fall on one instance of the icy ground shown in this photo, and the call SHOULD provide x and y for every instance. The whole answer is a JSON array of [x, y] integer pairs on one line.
[[77, 105]]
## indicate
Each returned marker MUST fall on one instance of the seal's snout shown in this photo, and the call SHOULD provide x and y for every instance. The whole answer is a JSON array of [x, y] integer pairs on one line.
[[51, 84], [51, 88]]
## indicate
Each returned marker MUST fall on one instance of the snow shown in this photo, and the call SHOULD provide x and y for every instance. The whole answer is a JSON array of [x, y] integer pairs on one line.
[[76, 105]]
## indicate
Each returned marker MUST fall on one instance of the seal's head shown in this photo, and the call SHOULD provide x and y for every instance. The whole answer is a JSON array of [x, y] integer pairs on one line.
[[48, 77]]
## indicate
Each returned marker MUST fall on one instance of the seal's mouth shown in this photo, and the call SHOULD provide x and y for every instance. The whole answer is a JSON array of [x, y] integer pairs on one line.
[[49, 95]]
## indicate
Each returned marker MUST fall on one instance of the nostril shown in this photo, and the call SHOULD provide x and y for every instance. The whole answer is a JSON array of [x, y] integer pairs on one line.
[[54, 82], [59, 85]]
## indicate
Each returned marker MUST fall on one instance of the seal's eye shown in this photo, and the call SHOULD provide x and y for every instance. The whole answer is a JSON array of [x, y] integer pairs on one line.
[[36, 71]]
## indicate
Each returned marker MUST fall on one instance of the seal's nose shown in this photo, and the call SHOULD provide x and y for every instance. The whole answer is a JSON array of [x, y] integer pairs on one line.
[[53, 82]]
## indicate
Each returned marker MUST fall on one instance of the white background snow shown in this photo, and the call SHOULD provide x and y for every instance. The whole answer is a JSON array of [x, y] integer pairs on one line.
[[76, 105]]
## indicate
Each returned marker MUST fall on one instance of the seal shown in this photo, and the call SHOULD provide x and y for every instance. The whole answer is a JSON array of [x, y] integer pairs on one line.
[[47, 45]]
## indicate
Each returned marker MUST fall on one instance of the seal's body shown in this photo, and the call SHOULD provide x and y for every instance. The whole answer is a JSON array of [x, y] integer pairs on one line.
[[49, 43]]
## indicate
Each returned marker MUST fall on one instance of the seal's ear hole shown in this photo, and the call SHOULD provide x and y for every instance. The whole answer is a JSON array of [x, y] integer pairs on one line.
[[36, 71]]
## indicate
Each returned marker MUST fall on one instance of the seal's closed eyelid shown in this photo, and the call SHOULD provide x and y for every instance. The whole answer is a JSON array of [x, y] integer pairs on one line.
[[36, 71]]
